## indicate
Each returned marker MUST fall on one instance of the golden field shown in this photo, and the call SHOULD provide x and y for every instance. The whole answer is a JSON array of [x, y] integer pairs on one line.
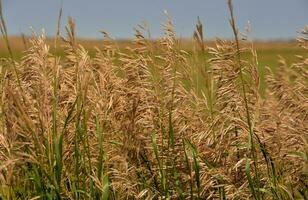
[[144, 119]]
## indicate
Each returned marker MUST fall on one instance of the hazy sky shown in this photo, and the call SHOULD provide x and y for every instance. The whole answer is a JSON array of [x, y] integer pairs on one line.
[[270, 19]]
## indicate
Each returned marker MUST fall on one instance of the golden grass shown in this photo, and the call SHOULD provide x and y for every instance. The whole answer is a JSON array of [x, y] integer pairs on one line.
[[148, 124]]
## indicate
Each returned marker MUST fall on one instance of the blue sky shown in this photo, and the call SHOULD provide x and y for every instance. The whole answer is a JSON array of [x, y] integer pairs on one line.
[[269, 19]]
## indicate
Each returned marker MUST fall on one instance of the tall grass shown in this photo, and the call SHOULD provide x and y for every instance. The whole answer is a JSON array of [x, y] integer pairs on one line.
[[152, 122]]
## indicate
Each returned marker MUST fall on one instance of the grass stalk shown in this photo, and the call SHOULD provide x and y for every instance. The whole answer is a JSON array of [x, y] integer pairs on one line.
[[251, 132]]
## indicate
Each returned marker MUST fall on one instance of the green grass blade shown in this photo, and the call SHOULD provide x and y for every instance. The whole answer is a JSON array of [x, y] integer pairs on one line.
[[250, 181], [191, 186], [195, 166]]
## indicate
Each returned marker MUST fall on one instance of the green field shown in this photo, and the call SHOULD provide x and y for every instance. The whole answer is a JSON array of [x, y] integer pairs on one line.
[[268, 52]]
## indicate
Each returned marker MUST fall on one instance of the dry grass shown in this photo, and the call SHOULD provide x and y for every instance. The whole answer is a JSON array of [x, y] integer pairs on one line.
[[147, 124]]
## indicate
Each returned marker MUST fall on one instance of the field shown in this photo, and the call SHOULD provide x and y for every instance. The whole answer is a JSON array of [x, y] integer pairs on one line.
[[144, 119], [268, 51]]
